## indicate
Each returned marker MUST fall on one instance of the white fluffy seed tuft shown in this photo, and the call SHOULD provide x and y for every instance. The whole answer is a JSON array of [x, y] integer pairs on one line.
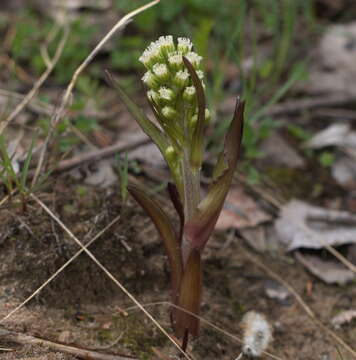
[[257, 334]]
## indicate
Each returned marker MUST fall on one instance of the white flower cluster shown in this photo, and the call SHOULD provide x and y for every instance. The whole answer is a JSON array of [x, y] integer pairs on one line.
[[166, 77]]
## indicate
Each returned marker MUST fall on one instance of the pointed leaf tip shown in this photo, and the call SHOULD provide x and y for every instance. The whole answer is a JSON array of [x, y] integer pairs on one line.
[[145, 123], [200, 227], [198, 135]]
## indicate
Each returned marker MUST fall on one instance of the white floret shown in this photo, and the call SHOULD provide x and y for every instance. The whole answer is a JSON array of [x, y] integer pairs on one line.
[[166, 93], [150, 56], [165, 43], [194, 58], [149, 79], [200, 74], [189, 93], [161, 71], [184, 45], [153, 96], [175, 60], [181, 78]]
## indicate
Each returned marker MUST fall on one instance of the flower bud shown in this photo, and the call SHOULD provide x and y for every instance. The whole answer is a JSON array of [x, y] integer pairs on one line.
[[184, 45], [166, 44], [161, 72], [200, 74], [171, 154], [193, 122], [194, 58], [181, 78], [169, 113], [153, 96], [189, 94], [175, 61], [166, 94], [207, 115], [150, 80], [150, 56]]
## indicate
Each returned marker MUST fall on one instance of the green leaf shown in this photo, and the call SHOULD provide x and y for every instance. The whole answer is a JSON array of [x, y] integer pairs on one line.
[[145, 123], [196, 155], [26, 166], [326, 158], [166, 231], [189, 297], [200, 227]]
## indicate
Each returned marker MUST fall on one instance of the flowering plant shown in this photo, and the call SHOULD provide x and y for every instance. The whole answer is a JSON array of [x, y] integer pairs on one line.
[[175, 92]]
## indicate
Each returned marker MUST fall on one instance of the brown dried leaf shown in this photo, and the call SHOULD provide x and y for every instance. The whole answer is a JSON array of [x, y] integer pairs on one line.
[[240, 211], [329, 271], [301, 225], [334, 69]]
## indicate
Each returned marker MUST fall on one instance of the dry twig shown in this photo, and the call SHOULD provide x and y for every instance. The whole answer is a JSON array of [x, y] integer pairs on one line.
[[39, 82], [75, 351], [100, 153], [68, 92]]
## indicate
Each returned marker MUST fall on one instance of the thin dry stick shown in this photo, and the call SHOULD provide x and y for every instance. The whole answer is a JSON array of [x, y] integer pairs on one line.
[[111, 277], [38, 83], [6, 349], [299, 299], [100, 153], [35, 104], [203, 320], [77, 352], [48, 109], [44, 47], [99, 234], [58, 114], [4, 199], [331, 250]]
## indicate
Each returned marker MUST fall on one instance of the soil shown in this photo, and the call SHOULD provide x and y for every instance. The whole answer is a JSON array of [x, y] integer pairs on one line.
[[82, 306]]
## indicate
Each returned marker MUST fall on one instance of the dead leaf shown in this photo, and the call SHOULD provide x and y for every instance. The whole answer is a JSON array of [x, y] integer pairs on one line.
[[99, 173], [102, 175], [334, 69], [344, 317], [301, 225], [329, 271], [335, 135], [255, 237], [240, 211], [278, 152], [340, 135], [147, 153], [343, 171]]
